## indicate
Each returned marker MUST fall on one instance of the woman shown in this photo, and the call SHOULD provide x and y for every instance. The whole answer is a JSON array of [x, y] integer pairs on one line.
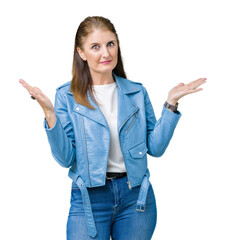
[[102, 127]]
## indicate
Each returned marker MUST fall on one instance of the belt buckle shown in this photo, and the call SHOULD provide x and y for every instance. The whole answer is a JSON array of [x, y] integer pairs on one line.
[[141, 209], [110, 177]]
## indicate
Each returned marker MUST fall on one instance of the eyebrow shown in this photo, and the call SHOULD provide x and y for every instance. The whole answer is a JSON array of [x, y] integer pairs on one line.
[[108, 42]]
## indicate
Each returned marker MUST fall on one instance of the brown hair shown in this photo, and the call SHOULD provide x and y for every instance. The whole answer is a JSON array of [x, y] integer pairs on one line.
[[81, 77]]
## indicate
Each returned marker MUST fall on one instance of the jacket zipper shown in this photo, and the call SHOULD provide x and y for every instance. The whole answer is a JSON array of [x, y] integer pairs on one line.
[[86, 152], [129, 118], [128, 182], [132, 122]]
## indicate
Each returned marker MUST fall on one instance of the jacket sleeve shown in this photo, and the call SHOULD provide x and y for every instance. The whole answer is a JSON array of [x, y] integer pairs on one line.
[[159, 133], [61, 135]]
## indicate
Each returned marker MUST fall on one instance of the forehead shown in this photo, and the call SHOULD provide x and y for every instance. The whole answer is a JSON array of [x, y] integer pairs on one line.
[[100, 36]]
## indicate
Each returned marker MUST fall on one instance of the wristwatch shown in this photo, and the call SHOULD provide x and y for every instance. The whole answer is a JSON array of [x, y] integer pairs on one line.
[[172, 107]]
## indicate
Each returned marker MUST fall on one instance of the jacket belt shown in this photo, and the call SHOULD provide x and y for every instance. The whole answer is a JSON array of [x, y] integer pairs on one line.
[[86, 203], [140, 206], [143, 194]]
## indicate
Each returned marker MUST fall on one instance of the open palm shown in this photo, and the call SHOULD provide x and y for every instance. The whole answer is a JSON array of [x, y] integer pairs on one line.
[[42, 99], [184, 89]]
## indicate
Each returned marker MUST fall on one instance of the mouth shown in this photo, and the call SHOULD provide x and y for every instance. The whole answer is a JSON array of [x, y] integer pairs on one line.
[[105, 62]]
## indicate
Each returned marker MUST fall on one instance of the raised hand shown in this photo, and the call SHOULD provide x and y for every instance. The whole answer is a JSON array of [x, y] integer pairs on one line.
[[183, 89], [44, 102]]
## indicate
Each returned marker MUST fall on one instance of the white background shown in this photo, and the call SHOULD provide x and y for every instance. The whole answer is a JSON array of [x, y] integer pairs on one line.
[[163, 43]]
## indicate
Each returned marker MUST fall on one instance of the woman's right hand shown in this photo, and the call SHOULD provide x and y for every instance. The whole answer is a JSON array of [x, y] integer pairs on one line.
[[44, 102]]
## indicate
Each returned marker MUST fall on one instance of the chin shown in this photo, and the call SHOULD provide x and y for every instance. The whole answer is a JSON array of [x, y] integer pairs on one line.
[[108, 66], [106, 69]]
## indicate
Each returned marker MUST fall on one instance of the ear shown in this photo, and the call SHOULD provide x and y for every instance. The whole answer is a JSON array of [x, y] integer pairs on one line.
[[81, 53]]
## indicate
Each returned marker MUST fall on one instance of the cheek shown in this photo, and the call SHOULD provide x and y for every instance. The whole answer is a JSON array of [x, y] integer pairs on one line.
[[92, 57], [96, 58], [114, 53]]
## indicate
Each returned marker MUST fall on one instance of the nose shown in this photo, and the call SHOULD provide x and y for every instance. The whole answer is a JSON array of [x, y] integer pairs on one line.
[[105, 52]]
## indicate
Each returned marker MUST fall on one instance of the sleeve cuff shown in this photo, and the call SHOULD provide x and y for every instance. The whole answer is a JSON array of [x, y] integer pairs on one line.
[[174, 117], [47, 128]]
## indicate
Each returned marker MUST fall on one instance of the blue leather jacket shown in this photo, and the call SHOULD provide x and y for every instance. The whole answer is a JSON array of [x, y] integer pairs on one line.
[[80, 139]]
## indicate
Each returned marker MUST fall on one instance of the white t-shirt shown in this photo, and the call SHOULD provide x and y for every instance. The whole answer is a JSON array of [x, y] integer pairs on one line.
[[106, 96]]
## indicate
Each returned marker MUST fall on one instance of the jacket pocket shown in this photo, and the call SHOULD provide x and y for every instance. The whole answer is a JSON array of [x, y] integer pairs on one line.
[[139, 151]]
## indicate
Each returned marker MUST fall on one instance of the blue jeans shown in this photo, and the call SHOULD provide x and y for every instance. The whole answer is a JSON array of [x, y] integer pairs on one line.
[[114, 211]]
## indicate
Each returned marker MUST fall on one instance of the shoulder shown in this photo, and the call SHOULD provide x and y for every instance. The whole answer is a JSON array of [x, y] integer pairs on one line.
[[64, 87], [138, 85], [133, 82], [125, 81], [128, 85]]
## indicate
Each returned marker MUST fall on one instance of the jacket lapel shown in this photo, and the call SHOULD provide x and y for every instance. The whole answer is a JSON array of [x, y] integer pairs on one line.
[[125, 106], [95, 115]]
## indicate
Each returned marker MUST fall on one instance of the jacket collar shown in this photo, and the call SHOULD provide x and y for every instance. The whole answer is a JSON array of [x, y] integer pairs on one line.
[[125, 85], [125, 108]]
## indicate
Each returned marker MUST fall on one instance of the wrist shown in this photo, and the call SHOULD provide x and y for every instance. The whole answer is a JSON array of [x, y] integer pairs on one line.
[[172, 101], [49, 113], [50, 118], [172, 106]]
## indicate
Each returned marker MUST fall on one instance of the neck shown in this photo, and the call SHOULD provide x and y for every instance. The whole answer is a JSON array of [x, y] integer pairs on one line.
[[102, 78]]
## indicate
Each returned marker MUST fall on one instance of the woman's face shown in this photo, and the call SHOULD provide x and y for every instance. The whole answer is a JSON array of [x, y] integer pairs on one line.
[[100, 46]]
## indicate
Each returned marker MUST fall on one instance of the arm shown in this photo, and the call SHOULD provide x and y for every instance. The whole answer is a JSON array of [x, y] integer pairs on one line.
[[159, 133], [60, 135]]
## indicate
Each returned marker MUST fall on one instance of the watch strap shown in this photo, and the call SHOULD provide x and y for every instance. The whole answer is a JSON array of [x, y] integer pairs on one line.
[[172, 107]]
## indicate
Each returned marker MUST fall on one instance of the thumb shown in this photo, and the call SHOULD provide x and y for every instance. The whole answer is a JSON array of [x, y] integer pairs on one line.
[[180, 84]]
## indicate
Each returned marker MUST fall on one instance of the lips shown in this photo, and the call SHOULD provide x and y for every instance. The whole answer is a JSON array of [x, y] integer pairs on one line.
[[106, 61]]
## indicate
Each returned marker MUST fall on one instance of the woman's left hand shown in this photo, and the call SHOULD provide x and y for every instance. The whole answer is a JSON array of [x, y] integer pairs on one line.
[[183, 89]]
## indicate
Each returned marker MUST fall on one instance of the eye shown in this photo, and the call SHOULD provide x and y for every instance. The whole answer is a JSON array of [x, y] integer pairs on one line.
[[94, 47], [112, 43]]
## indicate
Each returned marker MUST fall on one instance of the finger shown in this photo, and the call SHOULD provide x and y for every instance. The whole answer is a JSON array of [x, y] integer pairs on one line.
[[198, 83], [38, 90], [180, 84], [35, 95], [193, 91], [32, 95], [199, 79], [25, 85], [33, 91]]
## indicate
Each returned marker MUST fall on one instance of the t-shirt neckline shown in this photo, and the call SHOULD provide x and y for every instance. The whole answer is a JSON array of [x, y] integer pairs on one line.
[[104, 85]]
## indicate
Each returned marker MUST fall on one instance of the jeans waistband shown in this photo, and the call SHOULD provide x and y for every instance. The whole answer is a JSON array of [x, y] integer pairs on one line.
[[110, 175]]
